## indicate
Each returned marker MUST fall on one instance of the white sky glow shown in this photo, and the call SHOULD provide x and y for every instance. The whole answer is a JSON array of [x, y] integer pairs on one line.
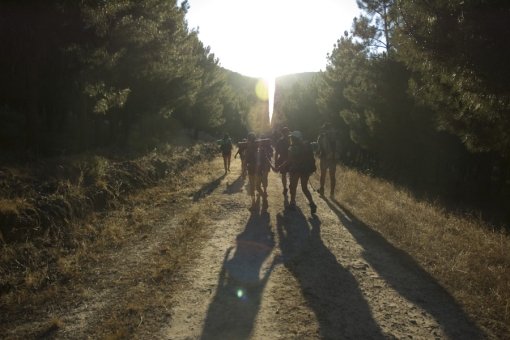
[[270, 38]]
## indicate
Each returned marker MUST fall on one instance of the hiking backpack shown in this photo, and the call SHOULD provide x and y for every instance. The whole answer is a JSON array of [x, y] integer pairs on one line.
[[226, 147], [304, 161], [255, 160], [330, 145]]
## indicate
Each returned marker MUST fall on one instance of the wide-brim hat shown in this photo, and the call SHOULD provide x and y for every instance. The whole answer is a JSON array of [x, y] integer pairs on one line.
[[296, 134]]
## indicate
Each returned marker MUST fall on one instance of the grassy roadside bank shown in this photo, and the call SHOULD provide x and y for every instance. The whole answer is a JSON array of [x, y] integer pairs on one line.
[[57, 216], [469, 257]]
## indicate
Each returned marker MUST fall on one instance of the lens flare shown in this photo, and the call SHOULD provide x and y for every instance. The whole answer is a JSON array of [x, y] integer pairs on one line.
[[239, 293]]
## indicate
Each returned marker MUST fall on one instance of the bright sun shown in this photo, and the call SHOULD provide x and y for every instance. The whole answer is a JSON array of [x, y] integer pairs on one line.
[[268, 38]]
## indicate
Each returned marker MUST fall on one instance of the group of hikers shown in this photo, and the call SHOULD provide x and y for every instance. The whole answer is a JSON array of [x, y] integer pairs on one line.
[[293, 157]]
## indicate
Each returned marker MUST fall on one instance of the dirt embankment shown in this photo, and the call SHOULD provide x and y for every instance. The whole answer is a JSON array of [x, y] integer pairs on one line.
[[49, 209]]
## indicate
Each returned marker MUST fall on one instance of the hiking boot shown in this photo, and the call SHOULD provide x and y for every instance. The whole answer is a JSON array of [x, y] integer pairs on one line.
[[313, 208], [332, 194], [285, 191], [253, 206], [291, 206], [321, 191]]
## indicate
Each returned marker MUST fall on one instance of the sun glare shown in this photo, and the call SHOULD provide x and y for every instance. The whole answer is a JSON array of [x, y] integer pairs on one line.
[[265, 91], [270, 91], [268, 38]]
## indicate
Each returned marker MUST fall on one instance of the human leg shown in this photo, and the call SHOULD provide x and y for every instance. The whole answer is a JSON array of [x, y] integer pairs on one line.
[[228, 161], [332, 175], [264, 179], [324, 169], [258, 184], [252, 190], [284, 182], [225, 162], [259, 179], [308, 195], [294, 178], [304, 187]]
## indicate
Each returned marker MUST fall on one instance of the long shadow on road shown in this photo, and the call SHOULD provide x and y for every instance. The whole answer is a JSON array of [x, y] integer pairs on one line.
[[406, 276], [207, 189], [329, 289], [234, 187], [232, 312]]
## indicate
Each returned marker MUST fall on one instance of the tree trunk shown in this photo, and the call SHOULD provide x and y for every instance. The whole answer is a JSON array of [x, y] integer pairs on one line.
[[504, 164], [98, 130], [82, 119], [112, 119], [485, 166], [126, 121], [63, 115], [49, 111], [32, 106]]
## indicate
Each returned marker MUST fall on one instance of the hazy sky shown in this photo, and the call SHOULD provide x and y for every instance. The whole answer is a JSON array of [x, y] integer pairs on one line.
[[269, 38]]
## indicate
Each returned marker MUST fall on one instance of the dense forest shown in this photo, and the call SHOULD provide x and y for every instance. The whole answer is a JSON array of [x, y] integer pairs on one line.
[[419, 92], [417, 89], [78, 75]]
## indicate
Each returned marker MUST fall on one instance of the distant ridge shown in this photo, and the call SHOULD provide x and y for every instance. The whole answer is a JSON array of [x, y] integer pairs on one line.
[[239, 81], [289, 79]]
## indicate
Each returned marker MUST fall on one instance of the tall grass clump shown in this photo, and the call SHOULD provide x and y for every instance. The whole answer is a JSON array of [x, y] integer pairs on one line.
[[468, 256]]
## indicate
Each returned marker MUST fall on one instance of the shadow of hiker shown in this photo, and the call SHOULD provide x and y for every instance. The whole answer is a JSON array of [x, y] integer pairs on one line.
[[234, 187], [407, 277], [232, 312], [207, 189], [330, 290]]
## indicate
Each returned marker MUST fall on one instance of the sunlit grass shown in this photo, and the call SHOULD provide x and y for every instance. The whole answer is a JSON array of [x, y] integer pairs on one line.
[[466, 255]]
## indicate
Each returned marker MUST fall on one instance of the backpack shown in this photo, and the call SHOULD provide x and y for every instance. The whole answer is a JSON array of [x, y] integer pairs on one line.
[[226, 147], [330, 145], [268, 150], [282, 146], [255, 161], [304, 160]]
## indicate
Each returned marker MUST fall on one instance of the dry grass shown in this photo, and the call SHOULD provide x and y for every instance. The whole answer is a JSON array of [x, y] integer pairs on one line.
[[139, 305], [466, 255], [52, 259]]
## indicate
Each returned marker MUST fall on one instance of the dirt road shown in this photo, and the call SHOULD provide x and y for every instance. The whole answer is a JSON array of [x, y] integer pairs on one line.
[[259, 275], [290, 275]]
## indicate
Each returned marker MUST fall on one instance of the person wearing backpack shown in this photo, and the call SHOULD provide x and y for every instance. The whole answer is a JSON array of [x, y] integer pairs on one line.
[[329, 149], [226, 150], [280, 156], [267, 154], [301, 164], [240, 152], [254, 164]]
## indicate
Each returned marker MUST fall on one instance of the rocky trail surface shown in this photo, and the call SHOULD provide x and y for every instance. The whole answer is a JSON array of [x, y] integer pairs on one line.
[[278, 274]]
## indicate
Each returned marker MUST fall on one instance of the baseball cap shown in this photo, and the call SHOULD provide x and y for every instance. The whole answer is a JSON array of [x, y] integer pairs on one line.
[[296, 134]]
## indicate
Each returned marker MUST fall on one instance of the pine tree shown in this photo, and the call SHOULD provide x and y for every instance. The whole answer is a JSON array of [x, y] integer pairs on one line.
[[460, 52]]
